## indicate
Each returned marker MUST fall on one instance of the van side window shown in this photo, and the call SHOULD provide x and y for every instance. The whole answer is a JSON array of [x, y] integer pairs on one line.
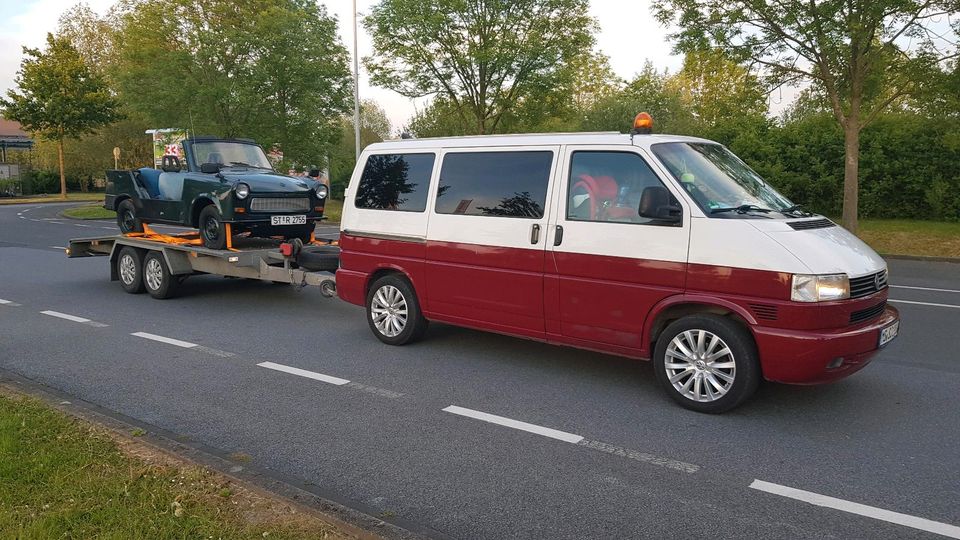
[[607, 186], [395, 182], [506, 184]]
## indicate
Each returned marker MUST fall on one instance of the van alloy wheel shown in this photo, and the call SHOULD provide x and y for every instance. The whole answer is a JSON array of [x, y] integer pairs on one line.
[[700, 365], [389, 311], [153, 274]]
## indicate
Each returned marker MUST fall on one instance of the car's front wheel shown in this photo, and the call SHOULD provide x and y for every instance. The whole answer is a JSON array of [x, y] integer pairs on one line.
[[393, 311], [127, 218], [212, 229], [707, 363]]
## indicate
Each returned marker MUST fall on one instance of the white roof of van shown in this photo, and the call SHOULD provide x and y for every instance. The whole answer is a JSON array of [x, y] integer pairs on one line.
[[530, 139]]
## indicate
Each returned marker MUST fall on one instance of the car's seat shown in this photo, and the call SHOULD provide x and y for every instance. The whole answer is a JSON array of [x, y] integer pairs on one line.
[[215, 157], [171, 186], [150, 178], [602, 194]]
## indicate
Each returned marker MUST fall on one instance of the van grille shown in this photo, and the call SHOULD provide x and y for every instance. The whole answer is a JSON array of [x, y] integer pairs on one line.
[[867, 285], [811, 224], [764, 312], [279, 204], [867, 314]]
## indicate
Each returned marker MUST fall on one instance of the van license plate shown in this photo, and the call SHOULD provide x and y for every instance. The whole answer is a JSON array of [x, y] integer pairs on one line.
[[888, 333], [288, 220]]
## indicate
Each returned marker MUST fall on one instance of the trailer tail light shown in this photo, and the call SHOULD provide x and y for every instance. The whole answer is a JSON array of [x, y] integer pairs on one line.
[[286, 249]]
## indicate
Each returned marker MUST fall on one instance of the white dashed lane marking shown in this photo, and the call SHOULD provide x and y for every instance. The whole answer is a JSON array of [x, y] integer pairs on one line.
[[8, 303], [74, 318], [950, 531], [515, 424], [183, 344], [931, 304], [304, 373]]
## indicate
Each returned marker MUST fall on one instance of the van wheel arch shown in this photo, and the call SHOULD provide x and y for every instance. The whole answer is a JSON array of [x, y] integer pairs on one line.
[[379, 273], [677, 311]]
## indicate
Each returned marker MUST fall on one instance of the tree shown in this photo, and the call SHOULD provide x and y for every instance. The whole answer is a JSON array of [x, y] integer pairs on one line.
[[483, 56], [649, 91], [59, 97], [718, 89], [864, 55], [374, 127]]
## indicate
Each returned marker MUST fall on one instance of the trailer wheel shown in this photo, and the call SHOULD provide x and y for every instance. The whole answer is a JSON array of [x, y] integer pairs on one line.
[[212, 229], [130, 270], [393, 311], [157, 278], [127, 218]]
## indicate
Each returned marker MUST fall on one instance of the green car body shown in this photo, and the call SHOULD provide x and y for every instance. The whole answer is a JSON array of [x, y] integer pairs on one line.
[[219, 182]]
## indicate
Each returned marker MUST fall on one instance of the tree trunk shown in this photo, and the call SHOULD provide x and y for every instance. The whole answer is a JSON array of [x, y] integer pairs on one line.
[[851, 169], [63, 175]]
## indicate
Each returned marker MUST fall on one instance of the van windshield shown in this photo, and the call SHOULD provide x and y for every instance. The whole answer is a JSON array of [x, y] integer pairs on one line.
[[718, 181]]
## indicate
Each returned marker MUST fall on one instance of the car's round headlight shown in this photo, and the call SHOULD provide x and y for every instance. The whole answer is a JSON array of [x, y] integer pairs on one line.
[[242, 190], [321, 191]]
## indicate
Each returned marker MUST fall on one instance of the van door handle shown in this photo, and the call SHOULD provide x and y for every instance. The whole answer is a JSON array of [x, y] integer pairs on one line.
[[558, 236], [535, 234]]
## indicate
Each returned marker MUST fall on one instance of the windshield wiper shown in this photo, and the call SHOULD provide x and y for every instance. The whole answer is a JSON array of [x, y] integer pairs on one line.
[[795, 209], [249, 166], [742, 209]]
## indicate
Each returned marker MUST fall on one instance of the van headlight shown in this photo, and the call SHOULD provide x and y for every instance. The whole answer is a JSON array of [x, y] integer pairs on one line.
[[321, 191], [822, 288], [242, 190]]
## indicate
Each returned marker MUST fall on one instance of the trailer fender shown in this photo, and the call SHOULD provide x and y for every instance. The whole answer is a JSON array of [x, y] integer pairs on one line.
[[178, 262]]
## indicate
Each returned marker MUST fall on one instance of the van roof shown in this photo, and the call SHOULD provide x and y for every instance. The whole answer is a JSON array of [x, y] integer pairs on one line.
[[531, 139]]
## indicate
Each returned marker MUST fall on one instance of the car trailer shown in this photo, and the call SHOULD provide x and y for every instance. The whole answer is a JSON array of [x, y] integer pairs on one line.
[[159, 263]]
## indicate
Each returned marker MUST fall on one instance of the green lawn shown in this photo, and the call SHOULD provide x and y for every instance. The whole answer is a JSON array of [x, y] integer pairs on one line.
[[93, 211], [62, 478], [910, 237], [332, 210], [33, 199]]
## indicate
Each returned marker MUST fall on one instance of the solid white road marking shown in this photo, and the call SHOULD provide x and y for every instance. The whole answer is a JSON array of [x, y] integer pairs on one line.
[[816, 499], [923, 303], [515, 424], [169, 341], [304, 373], [924, 288], [74, 318]]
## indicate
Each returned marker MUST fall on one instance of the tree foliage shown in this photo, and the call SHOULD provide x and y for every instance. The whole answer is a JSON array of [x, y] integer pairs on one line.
[[482, 56], [865, 56], [374, 127]]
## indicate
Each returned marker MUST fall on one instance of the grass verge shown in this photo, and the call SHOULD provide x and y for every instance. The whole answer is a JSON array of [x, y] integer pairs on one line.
[[53, 198], [93, 211], [63, 478], [911, 237], [332, 210]]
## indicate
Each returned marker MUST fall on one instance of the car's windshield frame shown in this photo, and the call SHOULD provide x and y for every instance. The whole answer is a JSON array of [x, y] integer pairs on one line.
[[252, 156], [726, 187]]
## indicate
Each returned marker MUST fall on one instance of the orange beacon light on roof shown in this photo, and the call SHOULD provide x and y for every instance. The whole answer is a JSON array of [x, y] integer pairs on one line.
[[642, 124]]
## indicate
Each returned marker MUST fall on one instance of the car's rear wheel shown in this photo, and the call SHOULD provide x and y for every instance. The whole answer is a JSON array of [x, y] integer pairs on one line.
[[127, 218], [130, 270], [707, 363], [393, 311], [157, 278], [212, 229]]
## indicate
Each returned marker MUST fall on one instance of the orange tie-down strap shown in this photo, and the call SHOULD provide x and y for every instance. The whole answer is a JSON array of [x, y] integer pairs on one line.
[[185, 239]]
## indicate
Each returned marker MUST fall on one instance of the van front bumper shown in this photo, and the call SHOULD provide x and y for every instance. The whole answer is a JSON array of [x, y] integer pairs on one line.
[[806, 356]]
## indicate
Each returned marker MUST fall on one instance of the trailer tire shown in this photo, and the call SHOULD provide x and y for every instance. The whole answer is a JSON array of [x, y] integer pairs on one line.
[[130, 270], [127, 218], [393, 311], [158, 280]]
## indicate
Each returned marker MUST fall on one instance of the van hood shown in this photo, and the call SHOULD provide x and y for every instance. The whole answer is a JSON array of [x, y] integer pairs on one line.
[[270, 182], [827, 250]]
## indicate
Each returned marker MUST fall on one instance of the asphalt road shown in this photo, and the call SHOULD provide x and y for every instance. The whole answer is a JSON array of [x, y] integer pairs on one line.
[[619, 459]]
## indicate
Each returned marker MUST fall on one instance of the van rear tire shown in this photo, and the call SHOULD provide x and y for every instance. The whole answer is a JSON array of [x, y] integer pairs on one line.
[[707, 363], [393, 311]]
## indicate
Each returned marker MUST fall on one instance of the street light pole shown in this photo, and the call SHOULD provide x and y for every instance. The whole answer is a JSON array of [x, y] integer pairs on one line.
[[356, 85]]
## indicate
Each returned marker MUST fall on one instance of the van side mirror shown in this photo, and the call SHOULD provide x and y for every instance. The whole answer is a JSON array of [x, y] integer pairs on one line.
[[656, 203], [209, 168]]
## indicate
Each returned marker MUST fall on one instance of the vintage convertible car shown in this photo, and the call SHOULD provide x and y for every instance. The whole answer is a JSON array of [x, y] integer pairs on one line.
[[222, 187]]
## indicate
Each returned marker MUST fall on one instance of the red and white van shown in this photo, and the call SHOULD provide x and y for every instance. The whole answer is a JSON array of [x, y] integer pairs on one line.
[[649, 246]]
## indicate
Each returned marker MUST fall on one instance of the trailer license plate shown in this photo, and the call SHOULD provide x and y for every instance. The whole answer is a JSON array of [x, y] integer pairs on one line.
[[888, 333], [288, 220]]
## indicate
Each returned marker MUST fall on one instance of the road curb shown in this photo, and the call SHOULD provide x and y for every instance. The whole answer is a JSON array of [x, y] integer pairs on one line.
[[922, 258], [350, 516]]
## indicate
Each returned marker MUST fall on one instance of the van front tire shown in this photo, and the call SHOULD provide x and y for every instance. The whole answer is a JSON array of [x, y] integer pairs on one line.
[[707, 363], [393, 311]]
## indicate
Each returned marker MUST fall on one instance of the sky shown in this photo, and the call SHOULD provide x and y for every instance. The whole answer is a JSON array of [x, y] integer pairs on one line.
[[627, 34]]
